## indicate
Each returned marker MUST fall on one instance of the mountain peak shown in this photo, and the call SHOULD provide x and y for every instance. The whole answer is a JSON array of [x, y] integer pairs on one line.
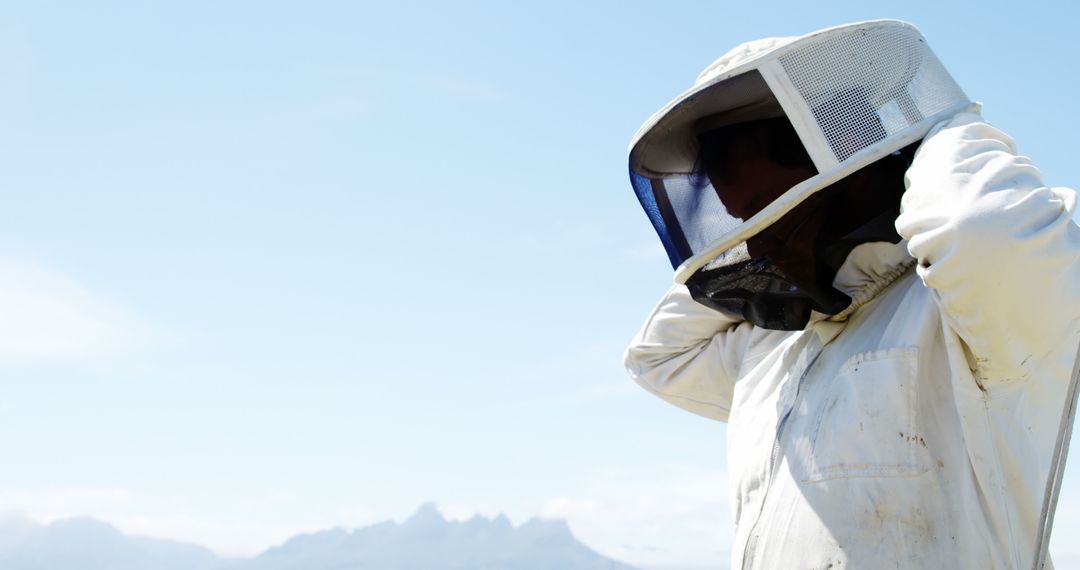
[[427, 541], [428, 513]]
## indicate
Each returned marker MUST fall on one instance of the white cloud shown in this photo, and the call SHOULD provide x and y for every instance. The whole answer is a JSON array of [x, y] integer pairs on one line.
[[660, 517], [233, 538], [67, 502], [46, 314]]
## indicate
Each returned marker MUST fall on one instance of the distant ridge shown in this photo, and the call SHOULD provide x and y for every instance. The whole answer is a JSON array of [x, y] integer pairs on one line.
[[425, 541], [85, 543]]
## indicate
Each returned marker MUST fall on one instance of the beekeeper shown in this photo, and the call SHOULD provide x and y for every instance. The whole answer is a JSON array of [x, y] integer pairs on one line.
[[875, 291]]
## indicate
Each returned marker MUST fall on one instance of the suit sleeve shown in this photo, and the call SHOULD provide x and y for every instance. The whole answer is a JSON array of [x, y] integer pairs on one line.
[[689, 355], [998, 247]]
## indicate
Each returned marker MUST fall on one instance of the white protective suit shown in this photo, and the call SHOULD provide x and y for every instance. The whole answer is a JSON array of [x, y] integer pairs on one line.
[[914, 431]]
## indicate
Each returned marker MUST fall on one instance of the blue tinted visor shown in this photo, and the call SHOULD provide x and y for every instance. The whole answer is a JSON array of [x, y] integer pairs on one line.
[[685, 212], [678, 198]]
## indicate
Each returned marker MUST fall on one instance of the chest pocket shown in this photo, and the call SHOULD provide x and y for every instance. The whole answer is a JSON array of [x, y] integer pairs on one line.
[[866, 423]]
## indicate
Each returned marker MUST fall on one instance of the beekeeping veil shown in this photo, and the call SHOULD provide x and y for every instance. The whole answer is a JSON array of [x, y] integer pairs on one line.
[[854, 95]]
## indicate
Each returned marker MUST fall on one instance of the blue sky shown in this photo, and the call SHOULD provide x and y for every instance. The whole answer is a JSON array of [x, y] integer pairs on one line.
[[270, 267]]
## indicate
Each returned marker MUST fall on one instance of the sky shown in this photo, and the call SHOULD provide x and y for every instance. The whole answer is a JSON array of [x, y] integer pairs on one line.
[[270, 267]]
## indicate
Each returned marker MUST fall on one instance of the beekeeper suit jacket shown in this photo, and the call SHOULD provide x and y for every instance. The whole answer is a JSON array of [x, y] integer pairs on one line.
[[913, 430]]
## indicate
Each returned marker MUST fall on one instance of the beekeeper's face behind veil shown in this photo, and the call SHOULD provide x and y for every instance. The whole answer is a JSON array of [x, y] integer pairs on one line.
[[784, 155]]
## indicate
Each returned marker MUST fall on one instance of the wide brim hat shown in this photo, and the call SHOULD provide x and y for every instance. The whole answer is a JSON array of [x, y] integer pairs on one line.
[[852, 93]]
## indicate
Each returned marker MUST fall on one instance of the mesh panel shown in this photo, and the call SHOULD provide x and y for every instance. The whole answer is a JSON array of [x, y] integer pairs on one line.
[[663, 221], [867, 83], [685, 211], [681, 204], [700, 212]]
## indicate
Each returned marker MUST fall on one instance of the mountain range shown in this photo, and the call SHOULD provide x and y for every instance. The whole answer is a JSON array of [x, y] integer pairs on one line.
[[425, 541]]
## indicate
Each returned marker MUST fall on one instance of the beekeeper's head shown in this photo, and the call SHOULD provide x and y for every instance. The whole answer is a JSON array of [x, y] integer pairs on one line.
[[756, 177]]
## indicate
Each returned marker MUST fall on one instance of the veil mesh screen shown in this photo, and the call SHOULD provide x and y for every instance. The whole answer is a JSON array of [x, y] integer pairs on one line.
[[868, 83]]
